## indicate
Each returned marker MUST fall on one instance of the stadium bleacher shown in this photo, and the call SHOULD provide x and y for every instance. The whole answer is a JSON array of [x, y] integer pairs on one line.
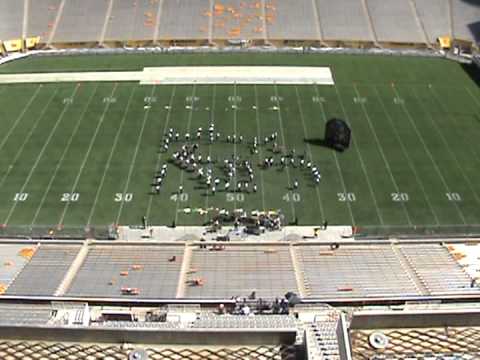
[[44, 272], [389, 22], [108, 269]]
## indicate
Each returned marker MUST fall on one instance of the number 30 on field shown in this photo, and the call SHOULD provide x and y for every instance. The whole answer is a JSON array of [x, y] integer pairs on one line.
[[127, 197]]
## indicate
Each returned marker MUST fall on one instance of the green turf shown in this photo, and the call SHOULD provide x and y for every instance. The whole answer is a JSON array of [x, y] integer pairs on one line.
[[415, 124]]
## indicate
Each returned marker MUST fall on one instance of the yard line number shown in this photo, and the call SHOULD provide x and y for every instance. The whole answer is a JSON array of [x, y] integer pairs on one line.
[[70, 197], [453, 196], [346, 197], [20, 197], [400, 197], [231, 197], [120, 197], [183, 197], [292, 197], [109, 100]]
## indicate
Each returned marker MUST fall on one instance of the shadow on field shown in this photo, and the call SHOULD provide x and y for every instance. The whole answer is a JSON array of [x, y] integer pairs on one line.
[[473, 71], [317, 142]]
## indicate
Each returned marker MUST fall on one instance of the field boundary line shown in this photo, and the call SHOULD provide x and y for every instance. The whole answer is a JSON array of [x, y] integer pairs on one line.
[[279, 115], [60, 161], [404, 150], [189, 122], [337, 163], [382, 153], [20, 116], [260, 151], [110, 156], [159, 157], [134, 158], [27, 138], [427, 150], [40, 154], [362, 163], [87, 154], [304, 127]]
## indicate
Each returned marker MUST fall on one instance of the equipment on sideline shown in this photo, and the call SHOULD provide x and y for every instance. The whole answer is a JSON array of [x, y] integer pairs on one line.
[[337, 134]]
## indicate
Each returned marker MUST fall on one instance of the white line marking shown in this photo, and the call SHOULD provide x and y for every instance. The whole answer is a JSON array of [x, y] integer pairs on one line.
[[212, 119], [190, 115], [235, 143], [289, 179], [477, 101], [159, 157], [309, 149], [382, 153], [405, 153], [59, 163], [110, 156], [27, 138], [412, 122], [40, 154], [87, 154], [259, 136], [447, 145], [337, 163], [132, 163], [19, 117], [362, 163]]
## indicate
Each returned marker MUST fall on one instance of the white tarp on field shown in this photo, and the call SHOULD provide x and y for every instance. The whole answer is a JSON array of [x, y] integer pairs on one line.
[[238, 74], [189, 75]]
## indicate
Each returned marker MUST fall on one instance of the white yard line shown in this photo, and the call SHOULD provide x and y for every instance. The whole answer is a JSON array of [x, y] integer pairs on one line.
[[40, 154], [19, 117], [110, 156], [337, 163], [384, 157], [309, 149], [362, 162], [453, 118], [134, 159], [440, 176], [447, 145], [289, 179], [159, 157], [87, 154], [477, 101], [27, 138], [405, 153], [259, 137], [190, 115], [212, 119], [235, 144], [60, 162]]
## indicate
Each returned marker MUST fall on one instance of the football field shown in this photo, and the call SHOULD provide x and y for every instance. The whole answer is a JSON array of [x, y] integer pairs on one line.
[[77, 154]]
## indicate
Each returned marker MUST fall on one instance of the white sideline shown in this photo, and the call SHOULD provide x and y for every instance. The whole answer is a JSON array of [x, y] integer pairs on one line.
[[170, 75]]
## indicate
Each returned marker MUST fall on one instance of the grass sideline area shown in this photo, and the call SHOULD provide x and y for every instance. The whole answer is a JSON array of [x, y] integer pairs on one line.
[[77, 154]]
